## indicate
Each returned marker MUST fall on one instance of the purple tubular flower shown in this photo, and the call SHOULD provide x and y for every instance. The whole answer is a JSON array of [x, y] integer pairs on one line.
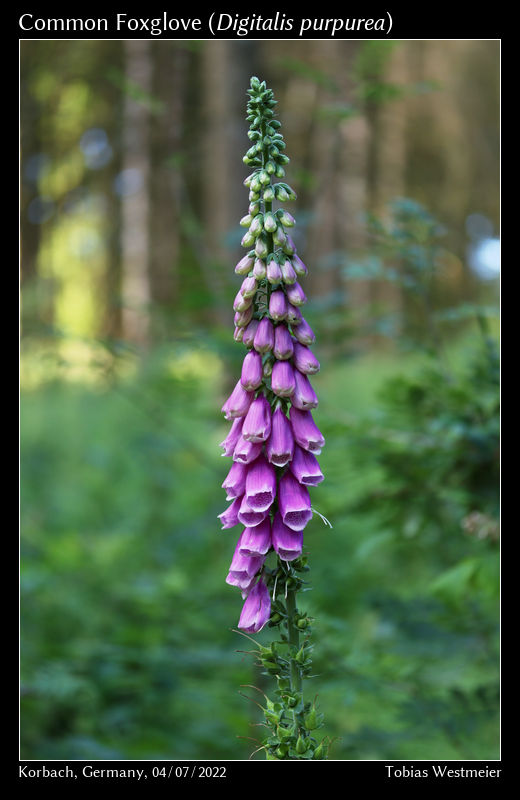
[[274, 273], [305, 360], [246, 452], [278, 306], [287, 543], [251, 377], [304, 396], [235, 482], [259, 270], [304, 332], [249, 517], [257, 424], [299, 266], [264, 336], [243, 568], [260, 484], [305, 431], [241, 303], [229, 517], [294, 315], [288, 273], [243, 318], [238, 403], [282, 379], [294, 503], [233, 436], [249, 333], [283, 343], [289, 246], [295, 294], [305, 468], [248, 288], [280, 445], [244, 265], [257, 609], [256, 541]]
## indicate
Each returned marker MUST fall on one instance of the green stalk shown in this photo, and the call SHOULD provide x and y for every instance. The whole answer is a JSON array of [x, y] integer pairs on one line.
[[294, 639]]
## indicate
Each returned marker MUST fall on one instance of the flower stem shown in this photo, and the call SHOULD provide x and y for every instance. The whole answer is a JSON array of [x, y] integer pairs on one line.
[[294, 639]]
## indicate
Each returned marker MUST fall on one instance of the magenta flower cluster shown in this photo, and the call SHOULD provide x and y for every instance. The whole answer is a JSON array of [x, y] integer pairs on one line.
[[273, 439]]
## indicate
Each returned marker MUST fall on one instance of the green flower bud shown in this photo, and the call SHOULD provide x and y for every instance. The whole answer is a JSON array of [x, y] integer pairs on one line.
[[276, 617], [273, 151], [281, 193], [255, 185], [275, 123], [259, 270], [268, 195], [270, 223], [301, 745], [280, 172], [248, 239], [285, 733], [267, 372], [311, 721], [283, 159], [264, 177], [285, 218], [281, 751], [270, 167], [279, 237], [255, 83], [302, 624], [253, 197], [254, 209], [261, 248], [321, 750], [256, 226]]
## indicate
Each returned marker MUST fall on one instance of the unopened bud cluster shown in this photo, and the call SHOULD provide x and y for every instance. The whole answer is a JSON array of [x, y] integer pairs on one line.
[[273, 439]]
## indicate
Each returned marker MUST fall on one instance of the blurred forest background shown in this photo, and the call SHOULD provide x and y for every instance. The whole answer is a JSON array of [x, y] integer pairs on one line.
[[131, 193]]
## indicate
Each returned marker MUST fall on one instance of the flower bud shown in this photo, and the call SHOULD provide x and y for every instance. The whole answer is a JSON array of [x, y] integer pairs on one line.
[[304, 333], [248, 288], [264, 177], [259, 270], [241, 303], [299, 266], [268, 369], [242, 318], [279, 172], [296, 295], [279, 237], [254, 209], [251, 376], [256, 226], [283, 343], [244, 265], [274, 273], [305, 360], [255, 184], [282, 379], [288, 273], [270, 223], [238, 334], [264, 336], [248, 239], [270, 167], [286, 219], [280, 193], [268, 195], [278, 306], [246, 221], [249, 333], [294, 315], [253, 197], [261, 248], [289, 247]]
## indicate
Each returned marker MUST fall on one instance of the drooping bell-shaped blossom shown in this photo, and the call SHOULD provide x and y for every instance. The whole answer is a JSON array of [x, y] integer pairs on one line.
[[278, 306], [229, 517], [288, 273], [249, 517], [238, 402], [243, 568], [305, 360], [259, 269], [304, 397], [304, 333], [249, 333], [257, 424], [280, 445], [295, 294], [241, 303], [282, 378], [305, 468], [243, 318], [244, 265], [306, 432], [256, 541], [294, 315], [287, 543], [264, 336], [260, 484], [294, 502], [256, 610], [299, 266], [283, 343], [251, 377], [235, 482], [233, 436], [245, 451], [248, 288], [274, 273]]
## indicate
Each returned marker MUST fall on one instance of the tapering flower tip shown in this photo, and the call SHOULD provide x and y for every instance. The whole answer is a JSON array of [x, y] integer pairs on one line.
[[294, 503], [305, 468], [274, 273], [251, 377], [249, 333], [305, 360], [260, 484], [261, 248], [238, 334], [241, 303], [238, 402], [280, 237], [278, 306], [243, 567], [257, 424], [259, 269], [282, 379], [256, 225], [233, 436], [264, 336], [250, 517], [294, 315], [305, 431], [287, 543], [257, 609], [253, 209], [304, 333], [283, 343], [248, 239], [245, 451], [280, 445], [304, 396], [256, 541], [299, 266], [235, 482], [296, 295], [289, 247], [245, 222], [288, 273], [229, 517], [248, 288], [270, 223], [286, 219], [244, 266], [243, 318]]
